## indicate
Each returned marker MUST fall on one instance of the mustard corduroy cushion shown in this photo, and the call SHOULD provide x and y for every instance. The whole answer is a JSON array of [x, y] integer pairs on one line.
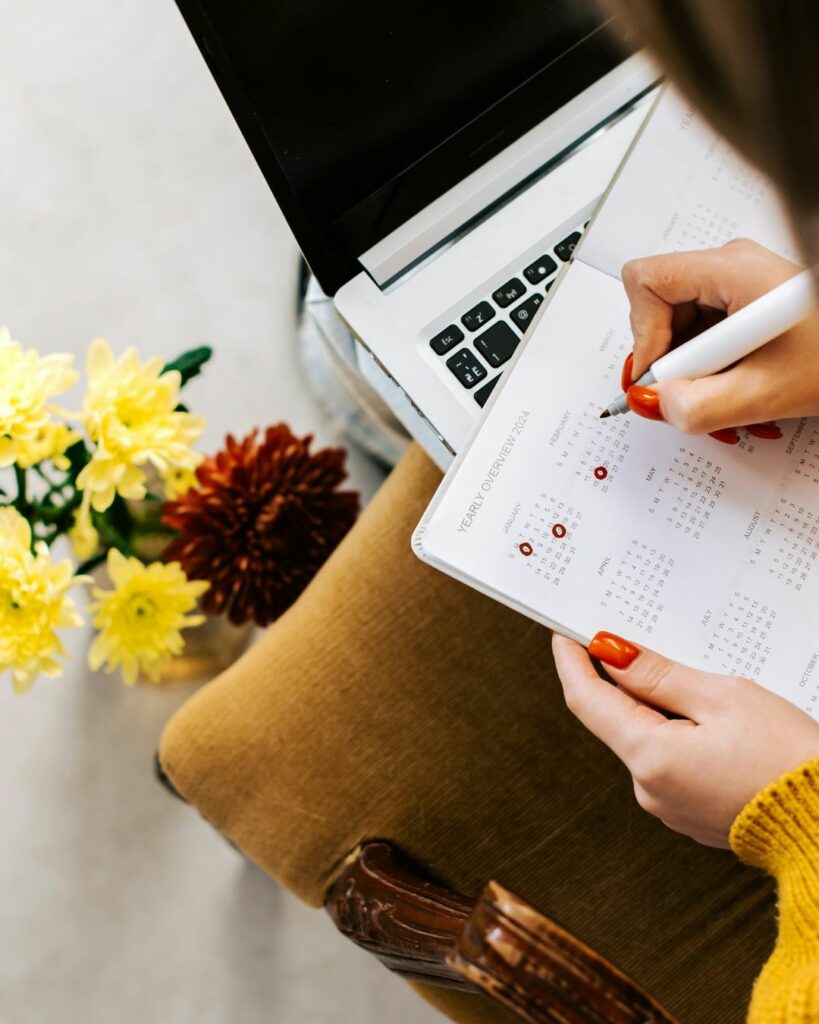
[[392, 702]]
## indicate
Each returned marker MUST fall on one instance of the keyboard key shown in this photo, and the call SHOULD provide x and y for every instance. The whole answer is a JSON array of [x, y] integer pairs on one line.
[[509, 293], [540, 269], [522, 315], [477, 316], [447, 339], [467, 367], [481, 396], [550, 283], [497, 344], [565, 248]]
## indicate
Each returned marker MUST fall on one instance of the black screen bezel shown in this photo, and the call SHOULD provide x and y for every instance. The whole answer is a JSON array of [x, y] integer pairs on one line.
[[332, 252]]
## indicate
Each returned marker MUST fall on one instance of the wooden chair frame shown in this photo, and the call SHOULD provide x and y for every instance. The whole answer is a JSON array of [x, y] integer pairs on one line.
[[497, 944]]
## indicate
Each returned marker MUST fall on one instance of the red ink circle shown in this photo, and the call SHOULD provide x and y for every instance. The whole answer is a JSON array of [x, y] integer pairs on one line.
[[601, 472], [558, 530], [526, 548]]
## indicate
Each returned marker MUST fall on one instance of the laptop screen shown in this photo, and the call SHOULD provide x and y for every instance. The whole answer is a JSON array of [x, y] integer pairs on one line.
[[361, 113]]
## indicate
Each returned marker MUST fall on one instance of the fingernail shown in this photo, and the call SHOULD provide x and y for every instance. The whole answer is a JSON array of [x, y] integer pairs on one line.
[[644, 402], [626, 378], [727, 435], [613, 650], [768, 431]]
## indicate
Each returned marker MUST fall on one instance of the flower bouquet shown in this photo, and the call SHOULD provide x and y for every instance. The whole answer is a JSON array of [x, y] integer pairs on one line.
[[180, 536]]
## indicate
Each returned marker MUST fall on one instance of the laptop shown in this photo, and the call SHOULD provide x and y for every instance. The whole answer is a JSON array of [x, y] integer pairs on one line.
[[436, 163]]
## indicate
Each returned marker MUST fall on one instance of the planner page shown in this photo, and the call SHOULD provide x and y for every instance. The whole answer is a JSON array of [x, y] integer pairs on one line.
[[704, 551], [682, 187]]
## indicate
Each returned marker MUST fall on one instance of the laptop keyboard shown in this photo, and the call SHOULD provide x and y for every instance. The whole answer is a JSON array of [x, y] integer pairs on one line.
[[467, 367], [495, 325], [497, 344], [508, 293], [475, 318]]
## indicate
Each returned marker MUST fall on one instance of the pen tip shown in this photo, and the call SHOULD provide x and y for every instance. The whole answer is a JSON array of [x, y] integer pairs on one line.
[[605, 414]]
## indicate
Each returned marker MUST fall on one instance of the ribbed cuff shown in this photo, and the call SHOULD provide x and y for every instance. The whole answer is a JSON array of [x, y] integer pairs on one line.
[[781, 824], [779, 831]]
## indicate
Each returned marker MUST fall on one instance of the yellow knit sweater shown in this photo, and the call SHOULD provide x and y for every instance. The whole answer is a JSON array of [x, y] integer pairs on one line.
[[779, 831]]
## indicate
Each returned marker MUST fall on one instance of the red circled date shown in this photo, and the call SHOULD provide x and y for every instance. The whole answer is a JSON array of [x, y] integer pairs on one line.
[[526, 548], [601, 472], [559, 531]]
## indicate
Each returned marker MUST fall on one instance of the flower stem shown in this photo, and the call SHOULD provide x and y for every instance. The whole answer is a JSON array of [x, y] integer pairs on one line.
[[91, 563], [22, 498]]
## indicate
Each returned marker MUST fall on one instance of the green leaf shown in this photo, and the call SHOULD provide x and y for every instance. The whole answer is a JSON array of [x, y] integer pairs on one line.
[[115, 526], [78, 456], [49, 514], [119, 516], [189, 364]]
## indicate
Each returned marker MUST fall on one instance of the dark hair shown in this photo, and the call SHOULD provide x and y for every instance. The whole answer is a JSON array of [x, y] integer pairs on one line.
[[752, 67]]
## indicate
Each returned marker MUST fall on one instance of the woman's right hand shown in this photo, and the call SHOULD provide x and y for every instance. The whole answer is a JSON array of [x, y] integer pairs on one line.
[[673, 296]]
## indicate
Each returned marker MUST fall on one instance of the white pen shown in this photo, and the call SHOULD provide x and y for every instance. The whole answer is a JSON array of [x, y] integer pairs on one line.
[[732, 338]]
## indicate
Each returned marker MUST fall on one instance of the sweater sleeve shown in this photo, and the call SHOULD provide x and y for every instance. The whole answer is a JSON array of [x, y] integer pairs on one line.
[[779, 832]]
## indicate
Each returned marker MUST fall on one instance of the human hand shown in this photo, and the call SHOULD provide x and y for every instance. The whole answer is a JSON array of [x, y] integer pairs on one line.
[[675, 296], [695, 772]]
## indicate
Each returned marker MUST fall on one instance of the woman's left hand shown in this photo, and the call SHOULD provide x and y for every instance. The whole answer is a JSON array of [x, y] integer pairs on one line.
[[697, 771]]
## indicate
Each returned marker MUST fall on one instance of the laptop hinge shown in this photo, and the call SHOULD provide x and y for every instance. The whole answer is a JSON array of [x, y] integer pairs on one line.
[[462, 205]]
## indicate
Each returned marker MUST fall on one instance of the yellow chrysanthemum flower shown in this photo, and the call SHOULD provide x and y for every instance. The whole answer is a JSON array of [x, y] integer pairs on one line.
[[141, 619], [129, 415], [33, 603], [83, 535], [50, 441], [177, 482], [27, 383]]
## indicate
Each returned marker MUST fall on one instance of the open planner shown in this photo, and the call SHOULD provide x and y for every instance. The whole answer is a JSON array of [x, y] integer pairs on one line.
[[703, 551]]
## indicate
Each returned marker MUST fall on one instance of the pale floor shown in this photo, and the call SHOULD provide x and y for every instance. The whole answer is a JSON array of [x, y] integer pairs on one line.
[[130, 208]]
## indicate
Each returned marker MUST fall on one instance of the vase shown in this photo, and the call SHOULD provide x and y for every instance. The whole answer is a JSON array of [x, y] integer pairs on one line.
[[209, 650]]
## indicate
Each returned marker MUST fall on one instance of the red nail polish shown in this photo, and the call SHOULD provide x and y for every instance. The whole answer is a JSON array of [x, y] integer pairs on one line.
[[727, 435], [613, 650], [767, 431], [626, 378], [644, 402]]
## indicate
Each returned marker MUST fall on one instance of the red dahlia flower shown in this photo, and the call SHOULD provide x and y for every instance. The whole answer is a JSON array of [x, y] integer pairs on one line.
[[262, 520]]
